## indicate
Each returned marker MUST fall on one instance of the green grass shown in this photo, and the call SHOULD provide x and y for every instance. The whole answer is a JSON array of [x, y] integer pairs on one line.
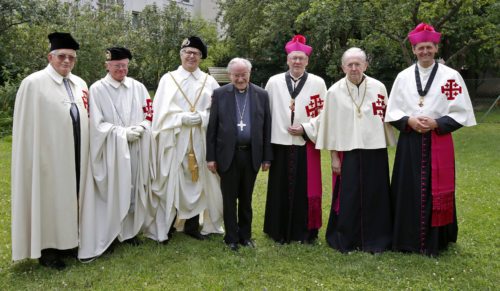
[[471, 264]]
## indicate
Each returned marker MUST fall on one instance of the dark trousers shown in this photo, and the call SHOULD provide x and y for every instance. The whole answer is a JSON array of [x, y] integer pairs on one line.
[[237, 186], [192, 225]]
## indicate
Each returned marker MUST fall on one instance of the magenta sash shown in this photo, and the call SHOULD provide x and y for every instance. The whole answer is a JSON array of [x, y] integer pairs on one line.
[[314, 190], [443, 179], [336, 202]]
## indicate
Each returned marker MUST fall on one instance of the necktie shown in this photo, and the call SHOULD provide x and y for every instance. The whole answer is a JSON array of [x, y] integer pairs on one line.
[[75, 117], [73, 109]]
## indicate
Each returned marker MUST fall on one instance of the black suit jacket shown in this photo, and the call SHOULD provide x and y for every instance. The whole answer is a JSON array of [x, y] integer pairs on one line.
[[222, 128]]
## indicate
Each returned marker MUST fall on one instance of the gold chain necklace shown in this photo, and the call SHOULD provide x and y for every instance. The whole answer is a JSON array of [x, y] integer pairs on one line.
[[358, 107]]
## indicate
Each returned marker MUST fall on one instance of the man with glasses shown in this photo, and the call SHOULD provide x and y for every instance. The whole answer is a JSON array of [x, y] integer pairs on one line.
[[50, 146], [120, 135], [293, 206], [184, 188], [238, 144]]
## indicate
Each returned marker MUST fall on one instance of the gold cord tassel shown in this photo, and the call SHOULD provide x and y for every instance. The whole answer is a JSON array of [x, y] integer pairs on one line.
[[192, 163]]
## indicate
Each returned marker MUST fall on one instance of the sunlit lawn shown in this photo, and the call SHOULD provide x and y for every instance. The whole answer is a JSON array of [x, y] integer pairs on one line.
[[184, 263]]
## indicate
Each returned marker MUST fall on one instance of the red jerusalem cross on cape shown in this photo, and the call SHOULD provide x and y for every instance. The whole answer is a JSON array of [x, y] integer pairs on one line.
[[85, 99], [451, 89], [379, 106], [315, 106], [148, 110]]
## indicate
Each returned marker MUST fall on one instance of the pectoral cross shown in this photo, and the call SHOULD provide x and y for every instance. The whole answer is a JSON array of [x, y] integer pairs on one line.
[[421, 103], [241, 125]]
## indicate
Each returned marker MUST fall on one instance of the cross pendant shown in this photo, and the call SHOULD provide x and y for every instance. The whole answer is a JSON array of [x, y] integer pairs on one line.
[[241, 125], [421, 103]]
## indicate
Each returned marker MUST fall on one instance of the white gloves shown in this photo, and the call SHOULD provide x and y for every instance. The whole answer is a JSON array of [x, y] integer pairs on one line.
[[191, 119], [134, 132]]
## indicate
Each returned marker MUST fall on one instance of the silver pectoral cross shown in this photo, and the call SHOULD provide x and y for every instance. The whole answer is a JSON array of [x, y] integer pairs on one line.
[[241, 125]]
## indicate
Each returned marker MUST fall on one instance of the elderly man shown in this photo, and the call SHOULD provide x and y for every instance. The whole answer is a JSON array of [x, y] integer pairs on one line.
[[120, 121], [184, 187], [352, 127], [293, 206], [428, 101], [50, 145], [238, 144]]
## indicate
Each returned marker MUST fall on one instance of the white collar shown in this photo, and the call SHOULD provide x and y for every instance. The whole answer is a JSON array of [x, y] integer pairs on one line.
[[426, 70], [57, 77], [115, 84], [184, 74]]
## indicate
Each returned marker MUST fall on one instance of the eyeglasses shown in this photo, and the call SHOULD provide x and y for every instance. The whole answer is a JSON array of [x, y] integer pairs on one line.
[[194, 53], [63, 57], [298, 59]]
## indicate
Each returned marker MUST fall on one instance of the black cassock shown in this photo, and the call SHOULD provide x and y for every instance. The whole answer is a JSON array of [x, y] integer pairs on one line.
[[361, 217], [411, 192]]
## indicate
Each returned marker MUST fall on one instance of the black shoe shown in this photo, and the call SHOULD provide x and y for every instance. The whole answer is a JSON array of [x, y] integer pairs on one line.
[[52, 262], [233, 246], [196, 235], [165, 242], [135, 241], [248, 243]]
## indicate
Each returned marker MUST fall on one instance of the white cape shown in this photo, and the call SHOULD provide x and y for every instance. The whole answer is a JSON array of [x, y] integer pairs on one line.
[[340, 127], [119, 206], [447, 95], [44, 198]]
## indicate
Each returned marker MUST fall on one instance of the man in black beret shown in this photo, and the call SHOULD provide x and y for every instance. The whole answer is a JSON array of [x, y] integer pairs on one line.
[[50, 146], [182, 107], [120, 137]]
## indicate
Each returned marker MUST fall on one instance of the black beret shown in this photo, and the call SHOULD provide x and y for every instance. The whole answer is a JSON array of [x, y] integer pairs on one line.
[[62, 40], [118, 53], [196, 42]]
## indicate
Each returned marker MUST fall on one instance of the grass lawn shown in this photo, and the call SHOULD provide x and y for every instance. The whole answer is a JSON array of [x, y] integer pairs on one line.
[[184, 263]]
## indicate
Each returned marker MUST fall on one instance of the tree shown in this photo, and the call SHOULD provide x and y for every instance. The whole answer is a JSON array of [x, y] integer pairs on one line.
[[378, 26]]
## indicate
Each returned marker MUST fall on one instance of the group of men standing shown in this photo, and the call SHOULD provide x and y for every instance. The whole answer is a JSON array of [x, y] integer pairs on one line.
[[92, 167]]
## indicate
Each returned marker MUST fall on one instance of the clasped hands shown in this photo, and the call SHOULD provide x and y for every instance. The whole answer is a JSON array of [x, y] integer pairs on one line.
[[134, 132], [191, 119], [422, 124]]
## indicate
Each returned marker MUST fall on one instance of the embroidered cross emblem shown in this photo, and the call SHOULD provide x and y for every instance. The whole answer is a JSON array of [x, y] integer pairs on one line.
[[85, 99], [379, 106], [451, 89], [314, 107], [148, 110]]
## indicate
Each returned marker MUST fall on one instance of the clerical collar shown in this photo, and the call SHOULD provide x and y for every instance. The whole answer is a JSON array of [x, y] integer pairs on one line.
[[241, 91]]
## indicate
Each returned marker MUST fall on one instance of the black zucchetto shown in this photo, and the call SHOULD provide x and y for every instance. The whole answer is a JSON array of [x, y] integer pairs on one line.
[[196, 42], [118, 53], [62, 40]]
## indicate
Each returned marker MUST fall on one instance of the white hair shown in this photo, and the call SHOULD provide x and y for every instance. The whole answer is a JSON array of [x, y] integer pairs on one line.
[[236, 61], [354, 52]]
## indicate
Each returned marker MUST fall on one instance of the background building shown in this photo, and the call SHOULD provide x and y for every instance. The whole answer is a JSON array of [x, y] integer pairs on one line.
[[206, 9]]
